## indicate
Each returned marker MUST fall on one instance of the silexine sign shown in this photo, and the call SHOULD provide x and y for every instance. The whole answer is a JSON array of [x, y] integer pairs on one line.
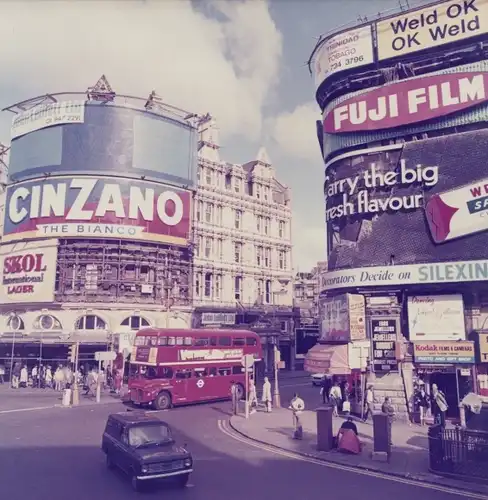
[[97, 207], [407, 102]]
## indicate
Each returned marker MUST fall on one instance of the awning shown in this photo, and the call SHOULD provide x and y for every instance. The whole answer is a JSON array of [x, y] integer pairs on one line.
[[327, 358]]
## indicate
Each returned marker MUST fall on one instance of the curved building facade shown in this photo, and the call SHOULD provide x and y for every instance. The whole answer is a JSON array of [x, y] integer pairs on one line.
[[404, 134], [97, 223]]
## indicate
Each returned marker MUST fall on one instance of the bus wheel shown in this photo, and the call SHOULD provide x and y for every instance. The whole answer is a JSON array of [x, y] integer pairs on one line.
[[163, 401], [240, 392]]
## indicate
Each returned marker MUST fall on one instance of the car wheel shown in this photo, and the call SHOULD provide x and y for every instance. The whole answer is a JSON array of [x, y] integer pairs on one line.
[[136, 483], [109, 463], [182, 480], [163, 401]]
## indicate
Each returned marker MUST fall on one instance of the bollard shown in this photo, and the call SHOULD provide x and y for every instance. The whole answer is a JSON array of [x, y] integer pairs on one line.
[[66, 397], [381, 437], [325, 432], [76, 395], [462, 415], [98, 393]]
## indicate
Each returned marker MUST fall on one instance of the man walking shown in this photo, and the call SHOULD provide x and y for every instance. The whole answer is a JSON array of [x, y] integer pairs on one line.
[[369, 403]]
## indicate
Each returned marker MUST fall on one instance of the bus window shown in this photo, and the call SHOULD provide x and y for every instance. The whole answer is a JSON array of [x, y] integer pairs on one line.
[[225, 341], [212, 372], [151, 372], [171, 340], [188, 341], [183, 374], [163, 340], [201, 342], [237, 370], [251, 341], [213, 341], [153, 341], [179, 340], [200, 372], [165, 372], [140, 341], [238, 342], [224, 371]]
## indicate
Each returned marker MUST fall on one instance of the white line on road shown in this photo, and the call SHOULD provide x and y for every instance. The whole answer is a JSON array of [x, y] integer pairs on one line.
[[224, 428], [17, 410]]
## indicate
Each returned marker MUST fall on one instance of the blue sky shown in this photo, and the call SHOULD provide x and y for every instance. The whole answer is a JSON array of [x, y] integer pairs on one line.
[[242, 61]]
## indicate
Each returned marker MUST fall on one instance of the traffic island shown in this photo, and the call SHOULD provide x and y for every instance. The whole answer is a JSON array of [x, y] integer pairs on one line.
[[409, 457]]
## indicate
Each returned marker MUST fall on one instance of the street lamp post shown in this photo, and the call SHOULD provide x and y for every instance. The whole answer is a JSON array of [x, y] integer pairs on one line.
[[276, 395]]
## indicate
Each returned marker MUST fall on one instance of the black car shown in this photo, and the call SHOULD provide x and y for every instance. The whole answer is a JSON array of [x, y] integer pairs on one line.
[[142, 446]]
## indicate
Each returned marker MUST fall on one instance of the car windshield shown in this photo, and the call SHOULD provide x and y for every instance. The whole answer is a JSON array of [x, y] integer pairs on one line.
[[149, 435]]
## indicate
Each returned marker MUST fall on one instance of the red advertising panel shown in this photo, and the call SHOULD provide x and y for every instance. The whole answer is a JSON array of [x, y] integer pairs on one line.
[[407, 102], [97, 207]]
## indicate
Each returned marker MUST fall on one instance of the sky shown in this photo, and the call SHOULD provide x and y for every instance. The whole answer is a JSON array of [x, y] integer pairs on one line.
[[243, 61]]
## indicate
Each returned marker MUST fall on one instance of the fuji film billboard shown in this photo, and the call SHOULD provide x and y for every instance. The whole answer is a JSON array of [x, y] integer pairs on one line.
[[97, 207], [406, 214]]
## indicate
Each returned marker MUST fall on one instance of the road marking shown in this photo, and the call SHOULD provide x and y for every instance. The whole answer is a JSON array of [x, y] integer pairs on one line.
[[17, 410], [225, 429]]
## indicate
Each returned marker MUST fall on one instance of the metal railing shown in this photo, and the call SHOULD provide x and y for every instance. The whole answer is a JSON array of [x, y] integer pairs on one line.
[[459, 453]]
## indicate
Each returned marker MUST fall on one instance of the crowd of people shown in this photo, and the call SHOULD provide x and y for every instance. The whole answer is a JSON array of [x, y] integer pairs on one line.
[[44, 376]]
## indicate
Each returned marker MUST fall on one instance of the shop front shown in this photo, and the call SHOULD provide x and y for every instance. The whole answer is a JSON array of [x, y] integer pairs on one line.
[[482, 363], [449, 365]]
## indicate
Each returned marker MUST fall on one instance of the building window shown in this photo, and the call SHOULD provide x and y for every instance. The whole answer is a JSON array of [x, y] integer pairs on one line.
[[238, 253], [267, 295], [199, 246], [218, 286], [208, 176], [238, 287], [260, 291], [258, 191], [209, 211], [199, 210], [47, 322], [220, 246], [238, 219], [208, 247], [259, 224], [267, 257], [219, 215], [267, 223], [90, 322], [281, 229], [259, 256], [266, 193], [208, 285], [135, 322], [15, 323], [282, 259], [228, 182], [198, 284], [199, 174], [237, 184]]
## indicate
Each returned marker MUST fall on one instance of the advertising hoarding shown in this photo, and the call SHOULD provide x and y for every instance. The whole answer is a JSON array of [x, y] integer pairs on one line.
[[28, 272], [407, 102], [97, 207], [383, 340], [112, 140], [444, 352], [342, 318], [342, 52], [378, 215], [483, 347], [436, 317], [47, 115], [433, 26]]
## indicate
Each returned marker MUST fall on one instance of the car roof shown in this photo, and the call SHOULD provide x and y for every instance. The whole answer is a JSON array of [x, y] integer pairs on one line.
[[136, 417]]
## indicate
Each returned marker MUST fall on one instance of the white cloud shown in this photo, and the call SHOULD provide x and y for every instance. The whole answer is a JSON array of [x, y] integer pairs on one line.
[[296, 132], [200, 64]]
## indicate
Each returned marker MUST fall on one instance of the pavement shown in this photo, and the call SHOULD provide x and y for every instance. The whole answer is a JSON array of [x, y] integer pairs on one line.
[[54, 454], [409, 456]]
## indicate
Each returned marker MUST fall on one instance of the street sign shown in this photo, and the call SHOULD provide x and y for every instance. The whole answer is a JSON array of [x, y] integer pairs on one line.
[[105, 355], [247, 361]]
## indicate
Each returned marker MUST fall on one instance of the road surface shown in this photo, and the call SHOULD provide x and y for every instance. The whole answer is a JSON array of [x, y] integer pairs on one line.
[[54, 454]]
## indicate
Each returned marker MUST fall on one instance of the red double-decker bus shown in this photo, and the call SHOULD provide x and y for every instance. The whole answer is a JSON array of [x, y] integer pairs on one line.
[[171, 367]]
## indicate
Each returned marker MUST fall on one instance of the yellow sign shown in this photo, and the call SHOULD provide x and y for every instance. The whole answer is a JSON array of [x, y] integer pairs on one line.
[[483, 343], [454, 352], [439, 24]]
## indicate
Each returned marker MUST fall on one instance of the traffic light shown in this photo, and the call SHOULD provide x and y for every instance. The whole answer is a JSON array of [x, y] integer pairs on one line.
[[72, 353]]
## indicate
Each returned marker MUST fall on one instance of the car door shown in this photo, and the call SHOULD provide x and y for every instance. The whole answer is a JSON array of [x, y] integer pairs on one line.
[[125, 455]]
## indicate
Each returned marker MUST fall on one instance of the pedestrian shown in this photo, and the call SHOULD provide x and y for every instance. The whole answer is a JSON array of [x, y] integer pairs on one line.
[[439, 405], [253, 397], [24, 377], [297, 406], [48, 377], [58, 379], [335, 397], [2, 374], [421, 402], [234, 393], [325, 389], [369, 403], [34, 376], [387, 409], [16, 376], [266, 396]]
